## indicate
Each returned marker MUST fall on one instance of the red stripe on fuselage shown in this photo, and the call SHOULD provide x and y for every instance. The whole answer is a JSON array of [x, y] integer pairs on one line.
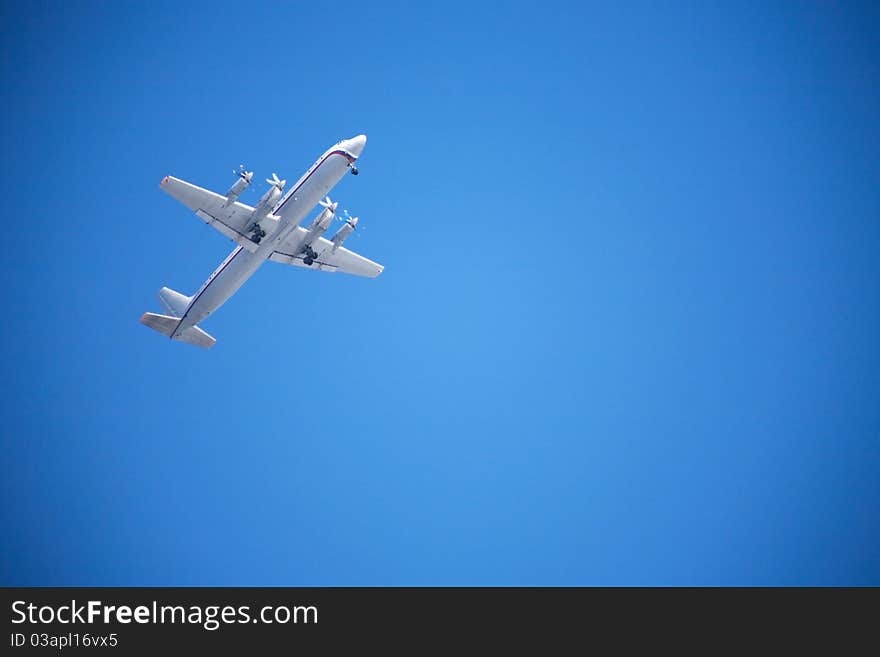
[[345, 154]]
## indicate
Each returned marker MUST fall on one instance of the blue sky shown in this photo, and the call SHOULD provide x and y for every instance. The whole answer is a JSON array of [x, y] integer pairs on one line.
[[627, 331]]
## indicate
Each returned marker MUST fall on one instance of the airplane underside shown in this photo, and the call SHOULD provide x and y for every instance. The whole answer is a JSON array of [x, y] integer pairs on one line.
[[269, 231]]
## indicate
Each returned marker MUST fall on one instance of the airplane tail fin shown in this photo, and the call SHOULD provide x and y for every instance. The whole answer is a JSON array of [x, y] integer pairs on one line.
[[166, 325], [174, 302]]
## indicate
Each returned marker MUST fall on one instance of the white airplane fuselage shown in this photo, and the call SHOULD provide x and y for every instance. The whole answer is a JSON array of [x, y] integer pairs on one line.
[[292, 208]]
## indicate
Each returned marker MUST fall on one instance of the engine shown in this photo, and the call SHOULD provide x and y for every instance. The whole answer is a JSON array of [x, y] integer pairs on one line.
[[322, 222], [244, 179], [258, 222], [344, 232]]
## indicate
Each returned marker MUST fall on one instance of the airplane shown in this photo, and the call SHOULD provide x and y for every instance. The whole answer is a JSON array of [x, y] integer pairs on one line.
[[270, 231]]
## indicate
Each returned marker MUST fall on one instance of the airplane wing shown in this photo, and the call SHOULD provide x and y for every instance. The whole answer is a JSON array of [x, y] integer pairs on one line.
[[329, 259], [230, 219]]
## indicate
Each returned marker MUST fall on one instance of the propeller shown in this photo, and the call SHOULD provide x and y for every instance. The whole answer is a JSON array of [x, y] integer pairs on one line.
[[241, 172], [349, 219], [327, 204], [277, 183], [352, 221]]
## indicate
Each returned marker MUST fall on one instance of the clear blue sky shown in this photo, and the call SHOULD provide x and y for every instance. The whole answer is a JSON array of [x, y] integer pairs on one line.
[[627, 332]]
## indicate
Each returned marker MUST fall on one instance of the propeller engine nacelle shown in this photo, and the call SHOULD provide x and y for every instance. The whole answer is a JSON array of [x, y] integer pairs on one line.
[[268, 200], [322, 223], [271, 197], [346, 230], [261, 224], [244, 179]]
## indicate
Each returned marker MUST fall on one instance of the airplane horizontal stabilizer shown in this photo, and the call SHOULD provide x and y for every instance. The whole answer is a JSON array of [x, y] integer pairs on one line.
[[195, 335], [166, 325], [162, 323]]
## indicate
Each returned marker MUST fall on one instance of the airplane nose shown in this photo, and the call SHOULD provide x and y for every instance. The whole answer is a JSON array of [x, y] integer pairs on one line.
[[356, 144]]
